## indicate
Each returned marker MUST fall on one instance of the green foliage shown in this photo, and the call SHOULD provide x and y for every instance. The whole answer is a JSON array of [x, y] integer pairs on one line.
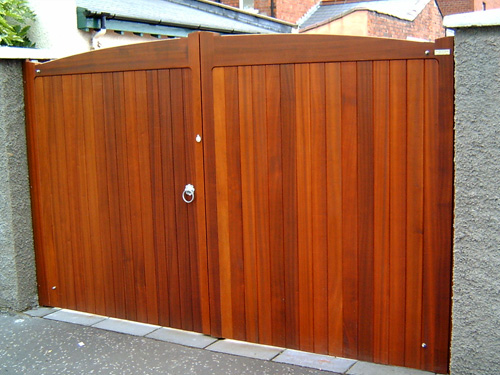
[[13, 17]]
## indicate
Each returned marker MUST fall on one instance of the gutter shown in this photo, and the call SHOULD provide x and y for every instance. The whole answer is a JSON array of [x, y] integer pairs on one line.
[[87, 20]]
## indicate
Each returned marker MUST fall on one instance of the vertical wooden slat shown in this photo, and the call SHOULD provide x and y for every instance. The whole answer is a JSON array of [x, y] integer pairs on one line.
[[397, 178], [143, 138], [196, 273], [37, 133], [199, 237], [82, 89], [180, 170], [124, 254], [113, 190], [415, 207], [157, 189], [276, 228], [334, 204], [248, 206], [96, 227], [35, 114], [381, 211], [132, 124], [223, 203], [304, 211], [365, 209], [261, 199], [443, 263], [235, 202], [169, 183], [103, 204], [319, 247], [438, 193], [349, 211], [289, 149], [63, 204]]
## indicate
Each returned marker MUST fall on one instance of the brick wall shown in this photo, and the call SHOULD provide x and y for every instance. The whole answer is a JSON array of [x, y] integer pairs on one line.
[[263, 6], [490, 4], [233, 3], [287, 10], [428, 25], [455, 6], [292, 11]]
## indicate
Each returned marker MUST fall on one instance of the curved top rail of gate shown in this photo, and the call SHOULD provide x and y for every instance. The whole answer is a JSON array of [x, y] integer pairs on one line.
[[251, 50]]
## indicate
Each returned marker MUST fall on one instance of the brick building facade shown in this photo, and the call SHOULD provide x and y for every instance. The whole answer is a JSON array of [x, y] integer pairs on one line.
[[463, 6], [286, 10], [427, 26], [341, 19]]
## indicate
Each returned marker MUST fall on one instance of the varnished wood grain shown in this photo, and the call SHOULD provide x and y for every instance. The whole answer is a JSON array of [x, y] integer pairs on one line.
[[350, 303], [323, 209], [398, 201], [381, 213]]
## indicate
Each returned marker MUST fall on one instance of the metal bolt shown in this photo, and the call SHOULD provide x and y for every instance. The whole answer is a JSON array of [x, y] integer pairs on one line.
[[53, 288], [424, 345], [198, 138], [427, 53], [37, 71]]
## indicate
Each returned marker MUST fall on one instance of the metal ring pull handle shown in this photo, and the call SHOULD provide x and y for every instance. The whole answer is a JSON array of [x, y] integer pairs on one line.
[[188, 193]]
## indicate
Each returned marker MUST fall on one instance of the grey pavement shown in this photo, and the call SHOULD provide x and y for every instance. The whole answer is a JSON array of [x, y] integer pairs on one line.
[[53, 341]]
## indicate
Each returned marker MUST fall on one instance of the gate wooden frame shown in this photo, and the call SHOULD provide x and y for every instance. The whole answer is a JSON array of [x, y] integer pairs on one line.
[[228, 294]]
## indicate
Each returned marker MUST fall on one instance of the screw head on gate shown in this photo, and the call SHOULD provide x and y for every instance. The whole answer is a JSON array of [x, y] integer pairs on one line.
[[427, 53], [424, 345], [54, 287], [198, 138]]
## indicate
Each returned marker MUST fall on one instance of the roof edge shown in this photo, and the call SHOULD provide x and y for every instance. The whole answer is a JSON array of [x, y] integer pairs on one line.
[[238, 10]]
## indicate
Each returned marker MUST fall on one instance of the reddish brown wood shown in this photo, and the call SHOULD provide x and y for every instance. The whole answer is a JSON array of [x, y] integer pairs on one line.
[[235, 216], [398, 200], [381, 243], [365, 209], [323, 209], [333, 106], [261, 198], [350, 302], [290, 222], [154, 55], [276, 227], [286, 49], [319, 208], [415, 207], [248, 204]]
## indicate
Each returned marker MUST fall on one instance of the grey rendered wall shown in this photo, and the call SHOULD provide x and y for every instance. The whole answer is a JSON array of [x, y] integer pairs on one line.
[[475, 345], [17, 265]]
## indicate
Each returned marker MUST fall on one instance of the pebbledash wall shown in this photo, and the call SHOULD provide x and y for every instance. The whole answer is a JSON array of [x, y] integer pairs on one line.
[[475, 342], [17, 264]]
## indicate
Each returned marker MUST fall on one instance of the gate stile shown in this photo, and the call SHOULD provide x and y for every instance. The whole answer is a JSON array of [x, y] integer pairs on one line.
[[322, 178]]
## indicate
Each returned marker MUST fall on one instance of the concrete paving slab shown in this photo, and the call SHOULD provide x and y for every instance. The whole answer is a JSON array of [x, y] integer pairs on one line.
[[367, 368], [75, 317], [40, 312], [177, 336], [245, 349], [126, 326], [317, 361], [35, 346]]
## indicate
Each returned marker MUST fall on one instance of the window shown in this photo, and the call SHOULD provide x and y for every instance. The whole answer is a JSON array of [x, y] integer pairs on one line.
[[246, 4]]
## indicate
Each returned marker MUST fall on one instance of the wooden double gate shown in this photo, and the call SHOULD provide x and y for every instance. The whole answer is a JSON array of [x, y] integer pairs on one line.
[[322, 211]]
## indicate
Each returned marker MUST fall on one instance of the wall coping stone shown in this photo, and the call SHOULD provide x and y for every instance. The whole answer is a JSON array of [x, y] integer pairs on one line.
[[473, 19], [21, 53]]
